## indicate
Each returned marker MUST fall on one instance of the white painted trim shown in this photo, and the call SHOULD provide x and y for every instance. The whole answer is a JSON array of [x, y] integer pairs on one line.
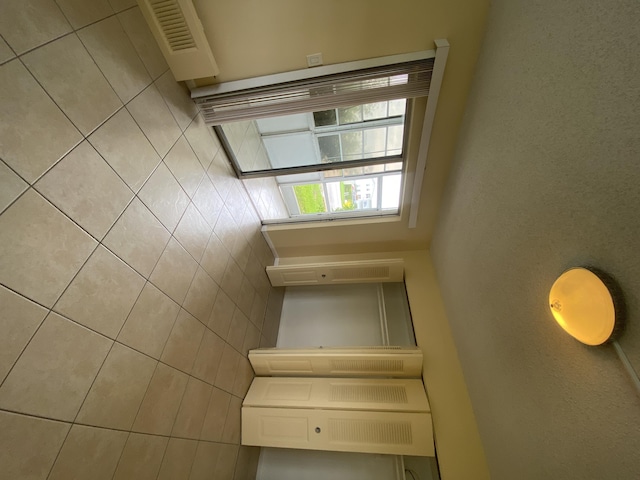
[[236, 85], [442, 51], [267, 238]]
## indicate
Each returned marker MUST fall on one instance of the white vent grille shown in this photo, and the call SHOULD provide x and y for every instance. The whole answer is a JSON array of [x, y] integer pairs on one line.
[[382, 366], [370, 432], [368, 393], [173, 24]]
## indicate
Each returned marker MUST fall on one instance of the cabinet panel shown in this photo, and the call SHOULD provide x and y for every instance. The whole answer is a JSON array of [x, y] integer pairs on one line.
[[394, 433], [406, 395], [404, 362]]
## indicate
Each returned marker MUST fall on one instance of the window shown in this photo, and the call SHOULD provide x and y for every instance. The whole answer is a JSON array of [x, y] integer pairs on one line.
[[333, 142]]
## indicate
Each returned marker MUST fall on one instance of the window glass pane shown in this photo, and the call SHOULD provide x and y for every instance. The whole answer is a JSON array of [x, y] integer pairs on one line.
[[351, 172], [341, 196], [391, 190], [394, 137], [395, 166], [366, 193], [325, 117], [373, 111], [351, 145], [397, 107], [374, 169], [374, 142], [310, 198], [350, 114], [332, 173], [329, 148]]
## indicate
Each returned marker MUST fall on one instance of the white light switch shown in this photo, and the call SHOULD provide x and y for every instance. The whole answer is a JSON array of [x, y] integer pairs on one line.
[[314, 60]]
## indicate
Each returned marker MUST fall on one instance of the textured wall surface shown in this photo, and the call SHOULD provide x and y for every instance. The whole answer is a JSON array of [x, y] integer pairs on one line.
[[546, 176]]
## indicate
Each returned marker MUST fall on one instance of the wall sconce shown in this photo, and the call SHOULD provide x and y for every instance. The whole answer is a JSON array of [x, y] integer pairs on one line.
[[587, 304]]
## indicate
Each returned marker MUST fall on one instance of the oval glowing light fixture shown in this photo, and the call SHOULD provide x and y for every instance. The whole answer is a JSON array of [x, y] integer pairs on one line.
[[583, 305]]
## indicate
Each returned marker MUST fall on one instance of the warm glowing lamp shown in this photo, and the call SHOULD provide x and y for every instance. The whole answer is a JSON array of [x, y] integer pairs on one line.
[[583, 302]]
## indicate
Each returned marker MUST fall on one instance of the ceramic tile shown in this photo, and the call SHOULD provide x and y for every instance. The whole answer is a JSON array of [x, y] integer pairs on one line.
[[150, 322], [185, 166], [56, 370], [232, 280], [141, 457], [201, 296], [221, 174], [161, 402], [178, 459], [208, 201], [221, 315], [226, 229], [151, 113], [245, 298], [237, 330], [193, 232], [84, 187], [25, 24], [112, 50], [138, 238], [214, 421], [120, 5], [174, 271], [6, 53], [205, 461], [203, 140], [251, 339], [178, 98], [19, 320], [237, 201], [215, 258], [35, 133], [244, 377], [89, 452], [208, 358], [226, 462], [102, 294], [41, 249], [228, 368], [231, 433], [123, 145], [84, 12], [258, 309], [143, 41], [28, 445], [247, 463], [241, 251], [67, 72], [117, 392], [163, 195], [11, 186], [193, 409], [183, 343]]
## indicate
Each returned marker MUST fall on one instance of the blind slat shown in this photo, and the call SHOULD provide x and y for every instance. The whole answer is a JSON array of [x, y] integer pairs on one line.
[[389, 82]]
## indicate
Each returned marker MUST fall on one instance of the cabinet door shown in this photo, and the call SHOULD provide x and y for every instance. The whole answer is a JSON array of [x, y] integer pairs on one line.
[[393, 433], [405, 362], [378, 394]]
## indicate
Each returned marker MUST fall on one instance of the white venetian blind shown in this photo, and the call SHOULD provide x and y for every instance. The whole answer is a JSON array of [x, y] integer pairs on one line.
[[377, 84]]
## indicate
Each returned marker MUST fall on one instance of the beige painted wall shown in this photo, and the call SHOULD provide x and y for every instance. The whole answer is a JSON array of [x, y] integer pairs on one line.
[[547, 176], [460, 452], [254, 37]]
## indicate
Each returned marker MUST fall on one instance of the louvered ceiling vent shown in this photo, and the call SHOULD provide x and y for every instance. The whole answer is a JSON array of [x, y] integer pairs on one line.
[[180, 36], [173, 24]]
